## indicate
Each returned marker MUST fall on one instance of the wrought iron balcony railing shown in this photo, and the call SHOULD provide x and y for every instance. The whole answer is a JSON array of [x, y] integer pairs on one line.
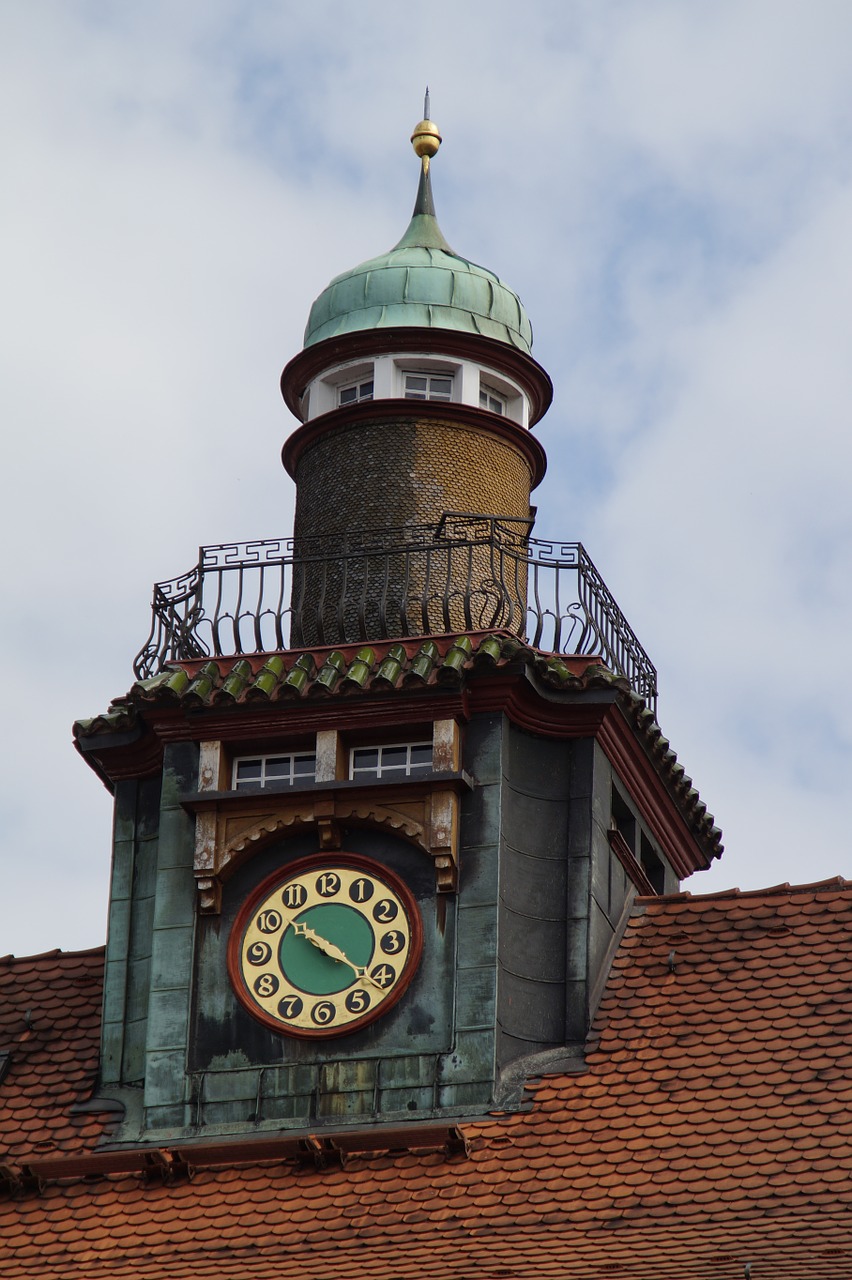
[[468, 573]]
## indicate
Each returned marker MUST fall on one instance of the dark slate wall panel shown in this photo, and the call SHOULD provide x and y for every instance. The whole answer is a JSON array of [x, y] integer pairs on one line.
[[534, 1010], [534, 823], [532, 884], [578, 896], [611, 885], [532, 948], [533, 892]]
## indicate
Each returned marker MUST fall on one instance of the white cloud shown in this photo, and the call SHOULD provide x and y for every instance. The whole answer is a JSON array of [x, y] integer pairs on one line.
[[666, 185]]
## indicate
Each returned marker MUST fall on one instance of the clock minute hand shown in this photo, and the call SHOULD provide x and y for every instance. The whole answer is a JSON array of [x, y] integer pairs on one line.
[[332, 951]]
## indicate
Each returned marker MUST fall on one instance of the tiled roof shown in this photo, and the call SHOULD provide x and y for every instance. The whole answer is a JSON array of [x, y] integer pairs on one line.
[[447, 662], [711, 1128], [382, 667], [50, 1017]]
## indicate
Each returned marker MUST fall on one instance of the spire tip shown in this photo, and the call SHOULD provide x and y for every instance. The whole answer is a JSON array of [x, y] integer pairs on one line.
[[426, 139]]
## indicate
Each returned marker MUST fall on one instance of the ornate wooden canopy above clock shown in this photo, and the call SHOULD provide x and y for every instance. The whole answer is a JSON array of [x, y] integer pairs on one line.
[[333, 793]]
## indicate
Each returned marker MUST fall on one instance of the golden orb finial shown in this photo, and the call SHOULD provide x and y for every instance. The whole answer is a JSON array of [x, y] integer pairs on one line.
[[425, 139]]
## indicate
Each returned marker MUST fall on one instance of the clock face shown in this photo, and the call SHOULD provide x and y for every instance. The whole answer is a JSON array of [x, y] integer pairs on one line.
[[325, 946]]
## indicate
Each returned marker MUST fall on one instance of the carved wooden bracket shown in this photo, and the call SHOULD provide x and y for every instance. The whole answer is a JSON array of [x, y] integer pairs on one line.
[[229, 828]]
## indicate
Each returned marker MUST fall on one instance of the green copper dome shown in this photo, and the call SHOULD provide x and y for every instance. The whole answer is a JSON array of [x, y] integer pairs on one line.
[[422, 283]]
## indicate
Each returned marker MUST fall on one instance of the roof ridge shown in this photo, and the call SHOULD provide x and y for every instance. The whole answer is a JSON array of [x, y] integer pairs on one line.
[[10, 958], [836, 882]]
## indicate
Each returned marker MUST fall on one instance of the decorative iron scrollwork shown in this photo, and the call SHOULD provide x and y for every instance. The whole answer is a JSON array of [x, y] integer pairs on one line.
[[468, 573]]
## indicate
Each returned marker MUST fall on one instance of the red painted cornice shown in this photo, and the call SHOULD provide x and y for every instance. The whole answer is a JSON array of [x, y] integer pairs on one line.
[[256, 721], [641, 778], [393, 411]]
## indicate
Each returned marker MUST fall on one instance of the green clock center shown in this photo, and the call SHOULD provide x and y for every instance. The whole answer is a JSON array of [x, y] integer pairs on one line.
[[330, 927]]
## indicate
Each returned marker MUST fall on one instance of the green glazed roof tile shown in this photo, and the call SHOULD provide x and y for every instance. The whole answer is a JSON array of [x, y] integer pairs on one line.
[[330, 672], [202, 686], [239, 676], [176, 682], [111, 721], [359, 670], [267, 678]]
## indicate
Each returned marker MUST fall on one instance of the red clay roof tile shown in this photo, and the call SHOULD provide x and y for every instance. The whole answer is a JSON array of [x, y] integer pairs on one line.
[[714, 1107]]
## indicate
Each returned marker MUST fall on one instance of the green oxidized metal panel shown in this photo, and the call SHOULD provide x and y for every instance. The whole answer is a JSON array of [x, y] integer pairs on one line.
[[171, 940], [127, 971], [423, 287]]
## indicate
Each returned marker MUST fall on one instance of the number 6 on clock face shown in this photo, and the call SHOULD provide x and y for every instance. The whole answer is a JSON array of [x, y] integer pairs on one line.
[[325, 946]]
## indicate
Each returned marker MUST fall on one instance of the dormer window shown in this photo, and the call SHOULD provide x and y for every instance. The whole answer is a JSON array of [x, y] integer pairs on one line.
[[428, 386], [491, 399], [356, 392]]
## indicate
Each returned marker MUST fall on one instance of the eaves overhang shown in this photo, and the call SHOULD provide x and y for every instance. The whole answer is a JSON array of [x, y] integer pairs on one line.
[[249, 699]]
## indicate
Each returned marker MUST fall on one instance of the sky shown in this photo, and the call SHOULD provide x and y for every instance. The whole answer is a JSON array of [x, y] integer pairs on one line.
[[667, 185]]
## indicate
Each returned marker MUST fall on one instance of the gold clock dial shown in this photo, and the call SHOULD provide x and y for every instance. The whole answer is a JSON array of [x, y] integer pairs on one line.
[[325, 947]]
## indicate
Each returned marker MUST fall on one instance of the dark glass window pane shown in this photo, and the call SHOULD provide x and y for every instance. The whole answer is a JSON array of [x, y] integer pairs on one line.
[[496, 406], [421, 754], [247, 769], [441, 386], [304, 766], [414, 382], [248, 773], [365, 391], [278, 767], [394, 757], [348, 394], [365, 759]]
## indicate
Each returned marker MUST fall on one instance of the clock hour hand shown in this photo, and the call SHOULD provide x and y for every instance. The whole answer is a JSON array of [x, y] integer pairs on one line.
[[330, 949]]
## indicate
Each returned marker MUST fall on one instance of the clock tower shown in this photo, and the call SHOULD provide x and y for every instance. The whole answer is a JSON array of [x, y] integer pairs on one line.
[[385, 791]]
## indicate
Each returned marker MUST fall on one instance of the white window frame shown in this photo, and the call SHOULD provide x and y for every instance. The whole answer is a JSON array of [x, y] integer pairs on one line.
[[379, 772], [445, 375], [492, 396], [282, 780], [358, 387]]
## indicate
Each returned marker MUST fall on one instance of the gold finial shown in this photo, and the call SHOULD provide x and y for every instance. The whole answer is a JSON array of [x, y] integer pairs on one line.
[[425, 139]]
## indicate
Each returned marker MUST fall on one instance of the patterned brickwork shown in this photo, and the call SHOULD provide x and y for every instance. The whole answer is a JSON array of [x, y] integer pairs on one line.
[[380, 475], [385, 475], [711, 1128]]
